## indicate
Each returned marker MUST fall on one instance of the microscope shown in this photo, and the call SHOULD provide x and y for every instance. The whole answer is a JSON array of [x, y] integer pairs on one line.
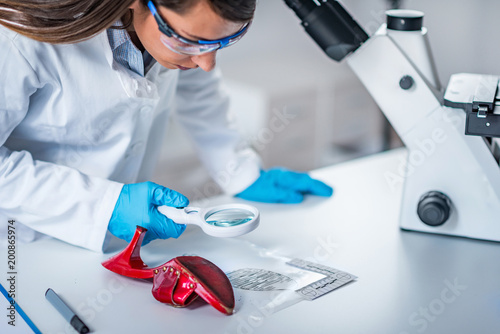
[[451, 182]]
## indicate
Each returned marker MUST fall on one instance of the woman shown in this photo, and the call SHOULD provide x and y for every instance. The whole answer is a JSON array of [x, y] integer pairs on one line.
[[87, 90]]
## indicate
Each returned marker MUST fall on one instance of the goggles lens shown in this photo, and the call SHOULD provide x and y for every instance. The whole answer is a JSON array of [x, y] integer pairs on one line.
[[183, 46]]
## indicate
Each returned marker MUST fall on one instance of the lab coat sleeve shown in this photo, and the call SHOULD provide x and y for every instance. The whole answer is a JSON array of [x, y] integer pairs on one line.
[[203, 109], [52, 199]]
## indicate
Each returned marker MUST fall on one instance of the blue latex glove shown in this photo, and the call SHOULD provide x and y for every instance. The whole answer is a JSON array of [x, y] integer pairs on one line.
[[280, 185], [137, 205]]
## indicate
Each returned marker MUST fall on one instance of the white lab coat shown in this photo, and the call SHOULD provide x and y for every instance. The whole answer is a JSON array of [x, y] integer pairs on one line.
[[75, 126]]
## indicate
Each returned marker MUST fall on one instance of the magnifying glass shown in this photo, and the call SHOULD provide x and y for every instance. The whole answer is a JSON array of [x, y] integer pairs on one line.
[[229, 220]]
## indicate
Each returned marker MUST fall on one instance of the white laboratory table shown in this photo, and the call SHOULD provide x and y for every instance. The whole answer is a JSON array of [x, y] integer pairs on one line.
[[408, 282]]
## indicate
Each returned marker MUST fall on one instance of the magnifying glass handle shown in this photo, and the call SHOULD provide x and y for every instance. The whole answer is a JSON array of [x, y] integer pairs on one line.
[[179, 216]]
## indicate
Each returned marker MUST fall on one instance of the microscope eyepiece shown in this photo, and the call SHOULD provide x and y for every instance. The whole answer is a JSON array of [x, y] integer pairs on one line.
[[330, 25], [301, 7]]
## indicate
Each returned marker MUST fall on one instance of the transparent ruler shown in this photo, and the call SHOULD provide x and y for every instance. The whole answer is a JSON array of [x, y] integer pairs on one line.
[[334, 279]]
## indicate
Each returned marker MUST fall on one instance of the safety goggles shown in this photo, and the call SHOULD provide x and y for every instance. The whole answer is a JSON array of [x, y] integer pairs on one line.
[[181, 45]]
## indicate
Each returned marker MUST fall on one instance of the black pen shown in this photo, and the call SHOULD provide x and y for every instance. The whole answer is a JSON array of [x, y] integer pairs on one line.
[[66, 312]]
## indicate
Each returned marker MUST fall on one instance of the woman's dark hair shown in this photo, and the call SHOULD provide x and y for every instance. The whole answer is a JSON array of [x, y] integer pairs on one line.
[[69, 21], [231, 10]]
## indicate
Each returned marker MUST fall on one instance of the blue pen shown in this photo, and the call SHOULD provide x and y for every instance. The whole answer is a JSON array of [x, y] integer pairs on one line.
[[19, 310]]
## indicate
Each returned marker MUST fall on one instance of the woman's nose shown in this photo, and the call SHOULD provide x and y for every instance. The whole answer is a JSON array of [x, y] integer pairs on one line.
[[205, 61]]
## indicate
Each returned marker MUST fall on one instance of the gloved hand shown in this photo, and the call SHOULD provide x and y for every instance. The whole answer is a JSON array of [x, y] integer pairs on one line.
[[137, 205], [280, 185]]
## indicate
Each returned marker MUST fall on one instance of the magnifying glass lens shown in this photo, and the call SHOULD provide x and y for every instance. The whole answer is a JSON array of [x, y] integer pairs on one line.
[[229, 217]]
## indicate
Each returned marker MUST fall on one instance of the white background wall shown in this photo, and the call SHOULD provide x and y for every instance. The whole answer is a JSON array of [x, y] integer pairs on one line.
[[278, 68]]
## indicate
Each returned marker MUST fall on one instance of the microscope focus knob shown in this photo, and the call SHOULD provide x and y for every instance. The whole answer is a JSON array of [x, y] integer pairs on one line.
[[406, 82], [434, 208]]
